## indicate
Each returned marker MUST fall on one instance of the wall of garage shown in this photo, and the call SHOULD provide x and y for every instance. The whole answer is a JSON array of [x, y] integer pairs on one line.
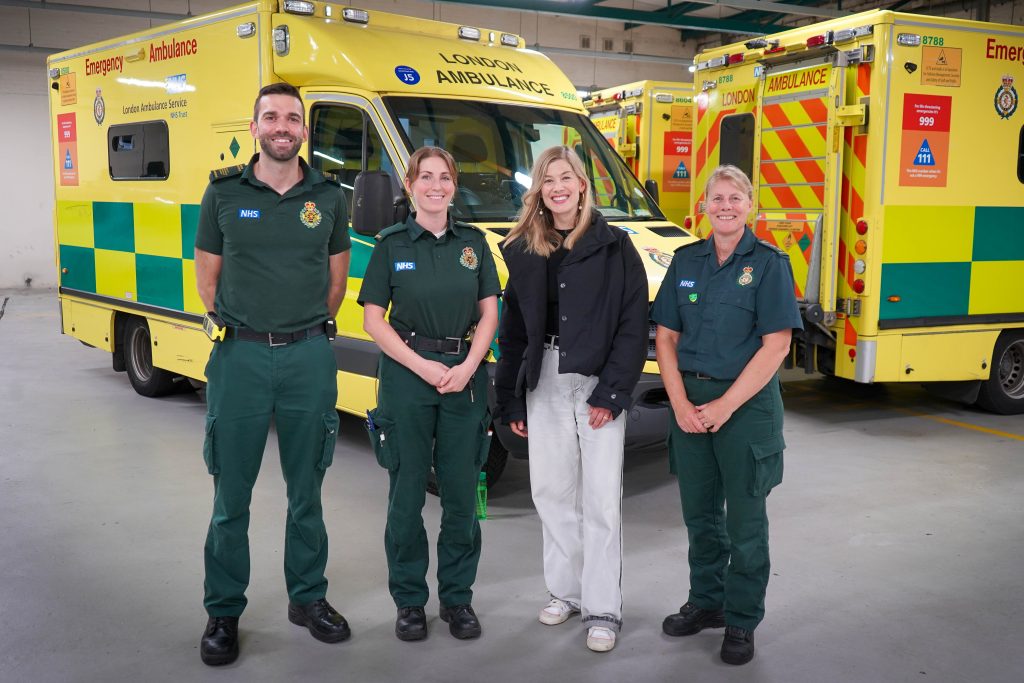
[[26, 232]]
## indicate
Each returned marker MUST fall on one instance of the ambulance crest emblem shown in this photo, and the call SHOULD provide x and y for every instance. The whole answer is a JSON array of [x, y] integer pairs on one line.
[[661, 258], [310, 215], [746, 278], [1006, 98], [469, 259], [99, 107]]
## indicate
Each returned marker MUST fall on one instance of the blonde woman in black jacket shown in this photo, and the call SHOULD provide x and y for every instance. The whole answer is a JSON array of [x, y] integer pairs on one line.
[[573, 342]]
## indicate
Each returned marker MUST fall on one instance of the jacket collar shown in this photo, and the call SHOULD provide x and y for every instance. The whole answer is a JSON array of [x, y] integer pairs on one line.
[[310, 176], [745, 246], [415, 230]]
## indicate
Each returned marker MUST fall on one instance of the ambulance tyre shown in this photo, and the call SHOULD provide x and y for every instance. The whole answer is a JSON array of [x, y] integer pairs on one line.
[[497, 457], [1003, 391], [138, 355]]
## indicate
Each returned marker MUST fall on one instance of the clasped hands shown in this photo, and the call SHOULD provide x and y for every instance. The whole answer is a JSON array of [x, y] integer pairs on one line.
[[708, 417]]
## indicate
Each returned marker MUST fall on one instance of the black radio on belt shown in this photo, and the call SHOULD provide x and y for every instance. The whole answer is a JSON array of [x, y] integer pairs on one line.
[[330, 328], [214, 326]]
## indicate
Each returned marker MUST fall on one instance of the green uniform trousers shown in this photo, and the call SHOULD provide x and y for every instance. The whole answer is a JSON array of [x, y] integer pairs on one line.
[[421, 427], [724, 479], [247, 384]]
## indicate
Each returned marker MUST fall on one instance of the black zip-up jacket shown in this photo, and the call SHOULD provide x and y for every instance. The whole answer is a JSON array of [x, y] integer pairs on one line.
[[603, 326]]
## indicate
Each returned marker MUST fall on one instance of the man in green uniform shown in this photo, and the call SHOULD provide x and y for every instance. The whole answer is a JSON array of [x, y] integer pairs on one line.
[[271, 261], [436, 286], [725, 315]]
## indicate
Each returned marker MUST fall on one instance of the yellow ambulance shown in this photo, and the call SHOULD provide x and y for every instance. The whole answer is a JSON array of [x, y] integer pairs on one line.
[[887, 155], [650, 125], [139, 122]]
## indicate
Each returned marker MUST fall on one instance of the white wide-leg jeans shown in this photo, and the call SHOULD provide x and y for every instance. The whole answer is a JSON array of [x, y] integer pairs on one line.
[[576, 481]]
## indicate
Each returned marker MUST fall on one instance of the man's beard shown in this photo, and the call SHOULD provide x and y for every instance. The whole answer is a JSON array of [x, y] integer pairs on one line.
[[267, 146]]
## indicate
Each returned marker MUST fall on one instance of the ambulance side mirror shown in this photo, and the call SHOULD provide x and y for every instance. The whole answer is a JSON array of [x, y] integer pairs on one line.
[[376, 203], [651, 185]]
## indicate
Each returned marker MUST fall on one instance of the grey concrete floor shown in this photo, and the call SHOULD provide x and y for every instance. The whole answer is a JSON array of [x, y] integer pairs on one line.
[[897, 543]]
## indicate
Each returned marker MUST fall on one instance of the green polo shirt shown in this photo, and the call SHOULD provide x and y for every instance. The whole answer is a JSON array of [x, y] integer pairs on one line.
[[275, 274], [721, 312], [432, 284]]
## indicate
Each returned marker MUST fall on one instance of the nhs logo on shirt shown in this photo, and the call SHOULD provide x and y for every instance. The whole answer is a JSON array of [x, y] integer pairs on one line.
[[249, 213], [404, 265], [687, 283]]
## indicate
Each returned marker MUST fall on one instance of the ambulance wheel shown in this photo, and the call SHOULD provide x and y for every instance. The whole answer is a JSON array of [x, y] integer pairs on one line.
[[138, 355], [497, 457], [1003, 391]]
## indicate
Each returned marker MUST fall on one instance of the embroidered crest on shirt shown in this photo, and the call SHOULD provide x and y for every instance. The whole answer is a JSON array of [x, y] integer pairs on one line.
[[746, 278], [469, 259], [310, 215]]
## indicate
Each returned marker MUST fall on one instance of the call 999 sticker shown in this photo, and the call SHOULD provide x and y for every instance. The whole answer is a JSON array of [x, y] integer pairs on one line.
[[407, 75]]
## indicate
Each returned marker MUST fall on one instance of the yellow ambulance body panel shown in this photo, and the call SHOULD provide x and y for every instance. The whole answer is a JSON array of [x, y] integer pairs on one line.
[[650, 125], [140, 121], [887, 155]]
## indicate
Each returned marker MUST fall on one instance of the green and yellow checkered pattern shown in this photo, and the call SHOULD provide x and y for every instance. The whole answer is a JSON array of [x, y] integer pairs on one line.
[[952, 261], [141, 252]]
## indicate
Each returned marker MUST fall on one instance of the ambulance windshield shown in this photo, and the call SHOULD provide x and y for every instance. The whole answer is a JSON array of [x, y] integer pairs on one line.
[[494, 146]]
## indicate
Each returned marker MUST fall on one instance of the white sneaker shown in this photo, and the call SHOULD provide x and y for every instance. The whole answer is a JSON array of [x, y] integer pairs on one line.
[[600, 639], [556, 612]]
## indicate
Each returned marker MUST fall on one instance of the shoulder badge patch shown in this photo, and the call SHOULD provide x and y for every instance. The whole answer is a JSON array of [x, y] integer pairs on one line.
[[226, 172], [310, 215], [469, 259]]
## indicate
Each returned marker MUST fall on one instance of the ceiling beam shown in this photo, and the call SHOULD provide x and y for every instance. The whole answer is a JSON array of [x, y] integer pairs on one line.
[[763, 5], [92, 9], [588, 11]]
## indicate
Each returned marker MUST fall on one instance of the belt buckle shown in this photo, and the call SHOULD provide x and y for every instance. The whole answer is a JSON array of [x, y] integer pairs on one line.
[[701, 375], [550, 341], [270, 341], [458, 346]]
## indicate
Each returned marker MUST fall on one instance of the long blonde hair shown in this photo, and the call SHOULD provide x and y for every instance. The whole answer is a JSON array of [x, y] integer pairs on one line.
[[535, 226]]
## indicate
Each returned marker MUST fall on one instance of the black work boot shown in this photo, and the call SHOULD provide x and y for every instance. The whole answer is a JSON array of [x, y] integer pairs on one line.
[[322, 620], [411, 623], [219, 645], [738, 645], [462, 621], [691, 619]]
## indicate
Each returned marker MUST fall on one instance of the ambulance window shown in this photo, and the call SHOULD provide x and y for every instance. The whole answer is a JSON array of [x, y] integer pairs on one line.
[[138, 151], [1020, 156], [344, 142], [737, 142]]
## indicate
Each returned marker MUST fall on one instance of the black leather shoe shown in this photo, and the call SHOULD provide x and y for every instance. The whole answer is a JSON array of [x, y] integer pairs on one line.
[[322, 620], [738, 645], [219, 645], [411, 623], [691, 619], [462, 621]]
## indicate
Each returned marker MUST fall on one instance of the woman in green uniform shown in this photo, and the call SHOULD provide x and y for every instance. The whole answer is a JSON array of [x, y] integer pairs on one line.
[[725, 314], [439, 279]]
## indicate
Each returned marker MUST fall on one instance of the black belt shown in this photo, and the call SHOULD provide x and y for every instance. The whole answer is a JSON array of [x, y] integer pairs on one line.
[[449, 345], [698, 375], [274, 338]]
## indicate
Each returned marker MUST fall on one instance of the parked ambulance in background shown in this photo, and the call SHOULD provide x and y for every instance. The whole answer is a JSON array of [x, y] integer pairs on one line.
[[887, 154], [140, 121], [650, 125]]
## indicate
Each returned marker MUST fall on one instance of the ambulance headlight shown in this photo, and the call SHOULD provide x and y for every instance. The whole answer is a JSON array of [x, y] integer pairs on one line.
[[509, 40], [469, 33], [282, 41]]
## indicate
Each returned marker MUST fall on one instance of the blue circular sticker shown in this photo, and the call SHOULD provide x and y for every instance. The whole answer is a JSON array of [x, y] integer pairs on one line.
[[407, 75]]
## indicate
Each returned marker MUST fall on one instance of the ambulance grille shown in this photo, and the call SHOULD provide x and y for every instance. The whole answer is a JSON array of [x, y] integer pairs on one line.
[[651, 332]]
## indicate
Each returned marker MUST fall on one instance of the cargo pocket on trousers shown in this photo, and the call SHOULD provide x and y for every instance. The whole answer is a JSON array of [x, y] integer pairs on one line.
[[330, 439], [381, 432], [486, 433], [767, 454], [208, 446]]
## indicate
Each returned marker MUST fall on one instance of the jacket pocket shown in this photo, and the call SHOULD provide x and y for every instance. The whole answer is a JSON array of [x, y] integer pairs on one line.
[[485, 436], [209, 454], [381, 432], [330, 439], [767, 457]]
